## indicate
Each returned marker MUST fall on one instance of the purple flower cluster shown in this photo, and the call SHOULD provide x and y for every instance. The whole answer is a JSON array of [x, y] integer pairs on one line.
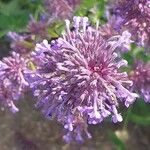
[[12, 80], [61, 9], [134, 15], [21, 44], [141, 79], [78, 79], [38, 28]]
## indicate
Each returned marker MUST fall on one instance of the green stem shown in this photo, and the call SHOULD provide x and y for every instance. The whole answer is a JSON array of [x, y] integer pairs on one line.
[[126, 120]]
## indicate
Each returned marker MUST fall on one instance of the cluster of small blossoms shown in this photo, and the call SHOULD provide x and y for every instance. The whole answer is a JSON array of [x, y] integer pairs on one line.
[[134, 16], [38, 28], [107, 31], [54, 10], [140, 75], [78, 79], [60, 9], [12, 80], [22, 44], [74, 3]]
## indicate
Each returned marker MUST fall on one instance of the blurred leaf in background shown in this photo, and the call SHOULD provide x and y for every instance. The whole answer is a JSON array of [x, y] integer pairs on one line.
[[117, 141], [140, 113], [14, 14], [94, 9]]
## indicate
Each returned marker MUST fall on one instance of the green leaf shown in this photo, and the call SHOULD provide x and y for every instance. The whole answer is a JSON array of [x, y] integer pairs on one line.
[[140, 113], [13, 22], [141, 108], [2, 33], [128, 57], [118, 142], [10, 8], [141, 120], [93, 9], [84, 7]]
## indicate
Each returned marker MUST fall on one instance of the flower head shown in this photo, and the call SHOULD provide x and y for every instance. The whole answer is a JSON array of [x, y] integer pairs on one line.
[[123, 41], [107, 31], [38, 27], [141, 79], [12, 80], [74, 3], [58, 9], [134, 15], [21, 44], [78, 80]]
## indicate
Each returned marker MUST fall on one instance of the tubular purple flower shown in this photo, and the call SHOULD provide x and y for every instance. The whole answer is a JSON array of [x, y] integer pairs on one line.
[[78, 81], [134, 16], [12, 80], [108, 33], [140, 76]]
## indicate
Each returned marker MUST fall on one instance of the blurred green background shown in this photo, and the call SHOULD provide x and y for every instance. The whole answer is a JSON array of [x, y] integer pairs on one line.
[[29, 130]]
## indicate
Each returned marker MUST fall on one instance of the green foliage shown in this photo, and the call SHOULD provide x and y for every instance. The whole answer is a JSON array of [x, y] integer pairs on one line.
[[94, 9], [118, 142], [14, 15], [31, 5], [56, 29], [140, 113]]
